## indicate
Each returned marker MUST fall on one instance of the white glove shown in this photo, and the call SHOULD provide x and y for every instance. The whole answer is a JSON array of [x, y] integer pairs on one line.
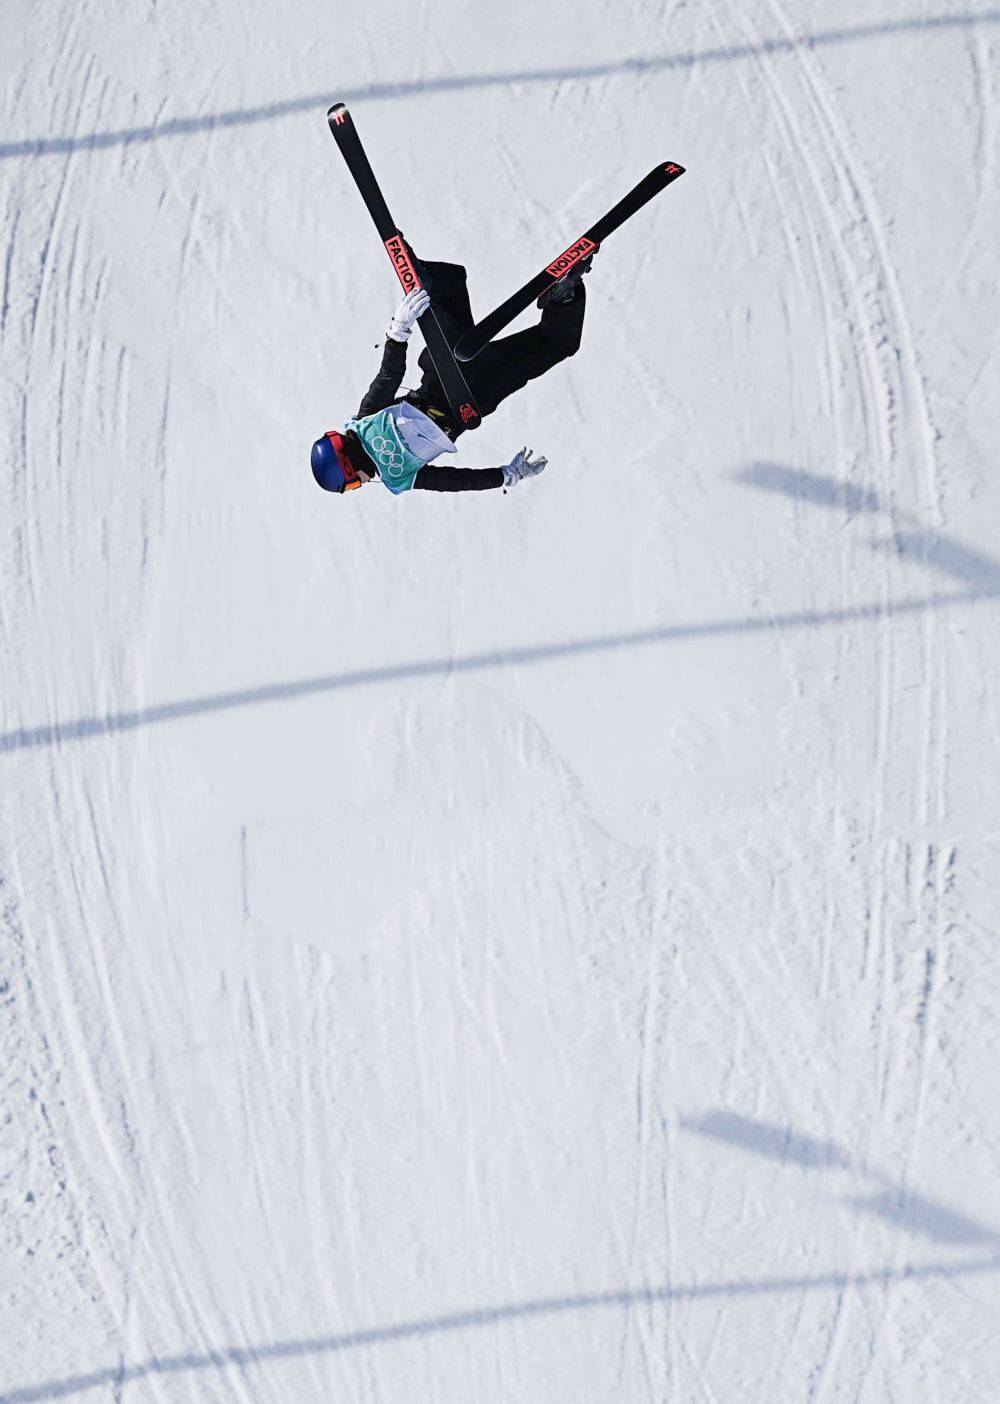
[[413, 305], [522, 465]]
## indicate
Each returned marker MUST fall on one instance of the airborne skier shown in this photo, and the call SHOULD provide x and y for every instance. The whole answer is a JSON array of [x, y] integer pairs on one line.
[[466, 373], [395, 437]]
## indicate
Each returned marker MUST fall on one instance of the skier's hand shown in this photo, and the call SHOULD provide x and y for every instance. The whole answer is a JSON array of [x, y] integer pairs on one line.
[[522, 465], [413, 305]]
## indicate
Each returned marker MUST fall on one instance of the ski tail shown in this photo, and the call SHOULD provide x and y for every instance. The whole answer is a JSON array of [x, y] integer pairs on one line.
[[483, 332], [461, 403]]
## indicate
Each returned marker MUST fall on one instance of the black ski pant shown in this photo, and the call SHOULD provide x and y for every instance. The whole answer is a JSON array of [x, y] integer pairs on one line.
[[508, 364]]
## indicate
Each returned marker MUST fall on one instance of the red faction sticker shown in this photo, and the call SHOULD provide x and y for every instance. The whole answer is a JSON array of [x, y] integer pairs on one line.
[[573, 254], [405, 271]]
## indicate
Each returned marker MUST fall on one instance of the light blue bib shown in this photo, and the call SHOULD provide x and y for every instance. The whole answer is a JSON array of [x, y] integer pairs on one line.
[[397, 463]]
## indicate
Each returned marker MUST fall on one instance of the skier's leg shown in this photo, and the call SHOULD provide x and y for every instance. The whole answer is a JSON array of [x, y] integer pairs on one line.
[[507, 365], [449, 290], [450, 298], [449, 293]]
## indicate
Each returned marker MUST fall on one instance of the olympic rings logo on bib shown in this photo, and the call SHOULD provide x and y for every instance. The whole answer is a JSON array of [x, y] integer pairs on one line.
[[387, 453]]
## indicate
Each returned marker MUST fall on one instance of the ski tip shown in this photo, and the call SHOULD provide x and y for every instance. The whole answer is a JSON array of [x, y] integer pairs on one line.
[[672, 169], [337, 114]]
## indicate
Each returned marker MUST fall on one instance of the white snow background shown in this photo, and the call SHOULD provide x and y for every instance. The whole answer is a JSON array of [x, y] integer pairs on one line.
[[501, 948]]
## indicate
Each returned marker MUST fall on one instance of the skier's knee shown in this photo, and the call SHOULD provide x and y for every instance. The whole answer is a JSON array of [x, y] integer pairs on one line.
[[562, 326], [563, 343], [572, 344]]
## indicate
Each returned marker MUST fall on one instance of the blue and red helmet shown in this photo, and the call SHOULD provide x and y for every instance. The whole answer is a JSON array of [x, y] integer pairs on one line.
[[331, 467]]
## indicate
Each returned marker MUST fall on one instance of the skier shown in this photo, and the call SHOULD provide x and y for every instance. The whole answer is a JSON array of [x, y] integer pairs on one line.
[[396, 437]]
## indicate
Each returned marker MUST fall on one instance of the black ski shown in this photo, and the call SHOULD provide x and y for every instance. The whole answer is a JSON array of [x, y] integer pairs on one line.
[[464, 411], [483, 332]]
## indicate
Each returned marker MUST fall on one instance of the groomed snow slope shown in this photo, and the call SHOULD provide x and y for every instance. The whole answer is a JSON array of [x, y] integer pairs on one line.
[[527, 948]]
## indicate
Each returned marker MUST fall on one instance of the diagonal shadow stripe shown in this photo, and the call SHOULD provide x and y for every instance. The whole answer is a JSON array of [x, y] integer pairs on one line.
[[389, 92], [84, 728], [909, 536], [486, 1316], [892, 1201]]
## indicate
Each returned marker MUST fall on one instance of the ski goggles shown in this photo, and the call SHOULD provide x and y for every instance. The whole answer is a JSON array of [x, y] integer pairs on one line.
[[351, 479]]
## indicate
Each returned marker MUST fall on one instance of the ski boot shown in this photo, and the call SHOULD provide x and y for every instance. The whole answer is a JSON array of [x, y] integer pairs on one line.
[[565, 289]]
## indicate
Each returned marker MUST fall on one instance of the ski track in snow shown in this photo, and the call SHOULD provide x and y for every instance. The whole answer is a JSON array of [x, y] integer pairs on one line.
[[618, 1028], [886, 350]]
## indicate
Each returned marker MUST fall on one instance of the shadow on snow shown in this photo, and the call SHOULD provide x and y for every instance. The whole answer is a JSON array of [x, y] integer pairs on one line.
[[244, 1356], [894, 1203], [978, 574], [388, 92]]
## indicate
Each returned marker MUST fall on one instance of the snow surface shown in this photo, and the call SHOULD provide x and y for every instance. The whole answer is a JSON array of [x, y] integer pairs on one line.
[[536, 947]]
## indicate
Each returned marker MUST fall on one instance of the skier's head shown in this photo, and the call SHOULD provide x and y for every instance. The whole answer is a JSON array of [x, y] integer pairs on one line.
[[331, 467]]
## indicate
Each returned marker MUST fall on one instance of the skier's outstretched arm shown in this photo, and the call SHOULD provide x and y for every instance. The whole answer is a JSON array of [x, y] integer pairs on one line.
[[438, 478], [382, 391]]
